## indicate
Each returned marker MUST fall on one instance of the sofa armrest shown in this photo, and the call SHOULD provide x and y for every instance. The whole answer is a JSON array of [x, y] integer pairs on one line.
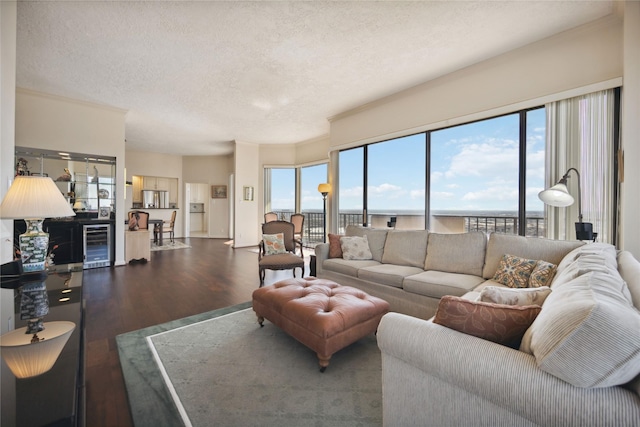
[[433, 375], [322, 253]]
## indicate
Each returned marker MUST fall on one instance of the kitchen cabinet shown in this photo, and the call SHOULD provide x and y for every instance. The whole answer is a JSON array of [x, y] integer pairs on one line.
[[199, 193], [149, 183], [155, 183], [136, 192]]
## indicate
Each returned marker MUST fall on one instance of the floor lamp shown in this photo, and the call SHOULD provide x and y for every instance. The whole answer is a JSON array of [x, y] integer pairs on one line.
[[559, 196], [324, 189]]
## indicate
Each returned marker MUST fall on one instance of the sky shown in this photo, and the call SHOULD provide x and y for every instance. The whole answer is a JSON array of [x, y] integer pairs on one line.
[[474, 167]]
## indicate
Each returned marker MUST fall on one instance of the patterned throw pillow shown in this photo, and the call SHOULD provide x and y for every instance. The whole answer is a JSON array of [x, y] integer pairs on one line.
[[502, 324], [354, 247], [335, 250], [514, 271], [512, 296], [274, 244], [542, 274]]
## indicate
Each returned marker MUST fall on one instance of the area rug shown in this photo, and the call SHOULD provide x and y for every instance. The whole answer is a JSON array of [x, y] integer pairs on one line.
[[221, 368], [167, 246]]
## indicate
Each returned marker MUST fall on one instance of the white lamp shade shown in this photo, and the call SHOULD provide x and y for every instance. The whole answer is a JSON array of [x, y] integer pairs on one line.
[[26, 359], [34, 197], [558, 195]]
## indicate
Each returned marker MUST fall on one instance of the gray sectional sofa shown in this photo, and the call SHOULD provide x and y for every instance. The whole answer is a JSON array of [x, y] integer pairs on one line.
[[413, 269], [578, 363]]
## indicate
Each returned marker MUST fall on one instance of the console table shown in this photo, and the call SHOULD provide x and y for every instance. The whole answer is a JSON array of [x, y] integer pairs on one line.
[[57, 397]]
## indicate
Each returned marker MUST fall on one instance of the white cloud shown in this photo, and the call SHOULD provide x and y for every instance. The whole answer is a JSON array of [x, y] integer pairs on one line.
[[352, 192], [417, 194], [491, 158], [383, 189], [493, 194], [442, 195]]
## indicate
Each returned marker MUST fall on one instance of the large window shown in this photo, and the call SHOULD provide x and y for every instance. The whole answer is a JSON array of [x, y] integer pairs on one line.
[[351, 194], [285, 194], [311, 203], [280, 191], [396, 183], [483, 175]]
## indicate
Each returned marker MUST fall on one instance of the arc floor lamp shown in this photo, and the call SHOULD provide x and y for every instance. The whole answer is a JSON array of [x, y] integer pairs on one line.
[[559, 196]]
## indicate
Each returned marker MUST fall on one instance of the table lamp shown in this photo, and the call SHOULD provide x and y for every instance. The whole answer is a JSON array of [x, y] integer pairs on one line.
[[559, 196], [34, 198], [33, 350]]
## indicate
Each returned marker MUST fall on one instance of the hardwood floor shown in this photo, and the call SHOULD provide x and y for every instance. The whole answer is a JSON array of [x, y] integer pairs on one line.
[[173, 285]]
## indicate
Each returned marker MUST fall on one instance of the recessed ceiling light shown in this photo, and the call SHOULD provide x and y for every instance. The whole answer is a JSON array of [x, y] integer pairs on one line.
[[64, 154], [64, 299]]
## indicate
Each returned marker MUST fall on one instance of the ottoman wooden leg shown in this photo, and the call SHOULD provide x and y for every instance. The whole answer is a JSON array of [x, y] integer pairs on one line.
[[323, 361], [261, 321]]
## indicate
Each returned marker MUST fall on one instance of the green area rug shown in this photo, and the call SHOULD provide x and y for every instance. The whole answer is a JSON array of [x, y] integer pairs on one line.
[[221, 368]]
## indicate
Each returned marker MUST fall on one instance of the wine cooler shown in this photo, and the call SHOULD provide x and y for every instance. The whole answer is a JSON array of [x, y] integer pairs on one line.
[[97, 245]]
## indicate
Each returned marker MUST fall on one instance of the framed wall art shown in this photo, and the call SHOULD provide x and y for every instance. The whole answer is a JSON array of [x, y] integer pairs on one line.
[[218, 191], [248, 193]]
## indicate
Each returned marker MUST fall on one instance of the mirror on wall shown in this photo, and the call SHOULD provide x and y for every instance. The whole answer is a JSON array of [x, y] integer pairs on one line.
[[154, 192], [87, 181]]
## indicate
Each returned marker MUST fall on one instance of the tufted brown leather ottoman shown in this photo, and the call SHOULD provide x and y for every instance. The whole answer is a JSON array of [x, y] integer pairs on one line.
[[319, 313]]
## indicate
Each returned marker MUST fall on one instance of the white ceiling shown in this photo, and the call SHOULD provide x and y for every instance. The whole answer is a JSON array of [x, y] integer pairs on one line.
[[195, 76]]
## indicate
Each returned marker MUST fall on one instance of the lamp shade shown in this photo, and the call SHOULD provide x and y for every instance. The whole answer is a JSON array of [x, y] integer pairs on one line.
[[324, 188], [558, 195], [34, 197], [26, 359]]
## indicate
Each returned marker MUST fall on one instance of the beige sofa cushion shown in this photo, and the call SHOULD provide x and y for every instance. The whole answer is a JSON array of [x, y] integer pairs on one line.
[[350, 268], [456, 253], [512, 296], [375, 236], [629, 268], [437, 284], [387, 274], [404, 247], [552, 251], [587, 333]]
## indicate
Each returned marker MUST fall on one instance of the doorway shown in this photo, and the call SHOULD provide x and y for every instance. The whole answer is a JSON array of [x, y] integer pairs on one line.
[[197, 217]]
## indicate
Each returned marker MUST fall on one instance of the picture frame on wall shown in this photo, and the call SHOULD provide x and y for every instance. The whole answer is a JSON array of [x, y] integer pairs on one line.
[[248, 193], [218, 191]]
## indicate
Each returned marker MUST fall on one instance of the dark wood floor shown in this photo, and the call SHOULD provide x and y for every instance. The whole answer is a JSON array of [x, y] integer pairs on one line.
[[173, 285]]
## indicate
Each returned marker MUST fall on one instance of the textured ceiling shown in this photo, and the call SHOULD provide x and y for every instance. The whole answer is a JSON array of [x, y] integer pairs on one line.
[[195, 76]]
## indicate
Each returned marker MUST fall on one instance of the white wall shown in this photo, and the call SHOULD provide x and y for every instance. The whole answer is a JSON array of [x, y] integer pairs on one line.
[[246, 213], [8, 18], [630, 226], [145, 163], [58, 123], [211, 170], [573, 59]]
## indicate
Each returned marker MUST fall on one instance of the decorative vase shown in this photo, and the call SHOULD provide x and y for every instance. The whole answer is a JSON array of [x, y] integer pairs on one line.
[[33, 246]]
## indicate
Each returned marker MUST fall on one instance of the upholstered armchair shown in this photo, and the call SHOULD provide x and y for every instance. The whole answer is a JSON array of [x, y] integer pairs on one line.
[[298, 223], [277, 249], [270, 216]]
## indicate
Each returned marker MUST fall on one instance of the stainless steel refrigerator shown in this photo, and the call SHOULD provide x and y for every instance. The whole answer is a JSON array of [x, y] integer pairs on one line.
[[155, 199]]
